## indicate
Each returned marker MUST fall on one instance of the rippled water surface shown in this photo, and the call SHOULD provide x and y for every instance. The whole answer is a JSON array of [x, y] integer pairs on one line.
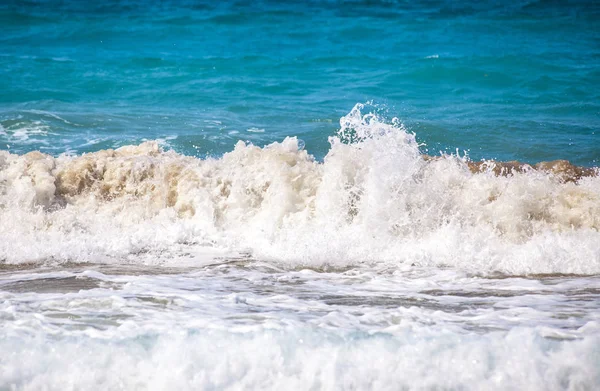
[[503, 81], [252, 324]]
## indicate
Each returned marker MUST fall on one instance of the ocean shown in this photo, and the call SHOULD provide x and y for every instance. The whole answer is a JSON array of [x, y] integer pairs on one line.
[[323, 195]]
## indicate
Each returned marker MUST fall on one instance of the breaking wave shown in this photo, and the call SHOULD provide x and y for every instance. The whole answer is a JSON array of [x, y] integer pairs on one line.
[[375, 200]]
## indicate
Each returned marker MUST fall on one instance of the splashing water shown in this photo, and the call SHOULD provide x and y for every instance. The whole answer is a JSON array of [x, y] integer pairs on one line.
[[374, 199], [266, 268]]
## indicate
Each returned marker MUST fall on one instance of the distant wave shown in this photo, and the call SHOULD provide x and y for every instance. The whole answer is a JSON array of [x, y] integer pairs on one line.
[[375, 199]]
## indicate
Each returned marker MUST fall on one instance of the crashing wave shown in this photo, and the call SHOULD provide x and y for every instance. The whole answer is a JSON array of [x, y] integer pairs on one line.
[[375, 199]]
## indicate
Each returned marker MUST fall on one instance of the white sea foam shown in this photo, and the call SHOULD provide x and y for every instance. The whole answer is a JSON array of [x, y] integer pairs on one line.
[[49, 114], [373, 200], [296, 360], [231, 327], [26, 132], [255, 130]]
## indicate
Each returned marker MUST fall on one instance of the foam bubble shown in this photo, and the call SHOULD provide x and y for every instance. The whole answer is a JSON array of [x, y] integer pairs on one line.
[[374, 199], [299, 360], [235, 327]]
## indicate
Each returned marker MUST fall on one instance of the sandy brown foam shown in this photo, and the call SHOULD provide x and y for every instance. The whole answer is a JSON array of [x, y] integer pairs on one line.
[[562, 169]]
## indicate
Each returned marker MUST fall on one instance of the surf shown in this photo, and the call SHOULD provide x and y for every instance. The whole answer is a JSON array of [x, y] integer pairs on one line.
[[375, 199]]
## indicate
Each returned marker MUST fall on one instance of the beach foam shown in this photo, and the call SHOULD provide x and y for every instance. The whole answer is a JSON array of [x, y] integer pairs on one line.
[[213, 360], [374, 199]]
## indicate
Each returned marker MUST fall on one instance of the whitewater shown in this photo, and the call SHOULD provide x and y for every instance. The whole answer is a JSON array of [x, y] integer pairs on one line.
[[375, 199], [377, 267]]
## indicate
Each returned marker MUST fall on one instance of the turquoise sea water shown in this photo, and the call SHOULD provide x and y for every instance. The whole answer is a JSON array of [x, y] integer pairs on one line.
[[501, 81]]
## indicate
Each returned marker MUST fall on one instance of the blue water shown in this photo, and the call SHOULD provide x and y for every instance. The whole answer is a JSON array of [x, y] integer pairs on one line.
[[518, 81]]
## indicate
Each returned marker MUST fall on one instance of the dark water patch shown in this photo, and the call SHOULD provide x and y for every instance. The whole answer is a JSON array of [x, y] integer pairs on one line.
[[157, 301], [324, 268], [483, 293], [394, 302], [56, 285], [374, 301], [97, 321], [11, 268], [142, 270]]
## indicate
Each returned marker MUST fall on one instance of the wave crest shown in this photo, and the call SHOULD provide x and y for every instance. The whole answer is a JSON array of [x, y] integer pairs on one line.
[[374, 199]]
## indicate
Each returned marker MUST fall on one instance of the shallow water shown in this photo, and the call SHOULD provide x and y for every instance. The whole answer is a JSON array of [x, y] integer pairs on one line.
[[252, 324]]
